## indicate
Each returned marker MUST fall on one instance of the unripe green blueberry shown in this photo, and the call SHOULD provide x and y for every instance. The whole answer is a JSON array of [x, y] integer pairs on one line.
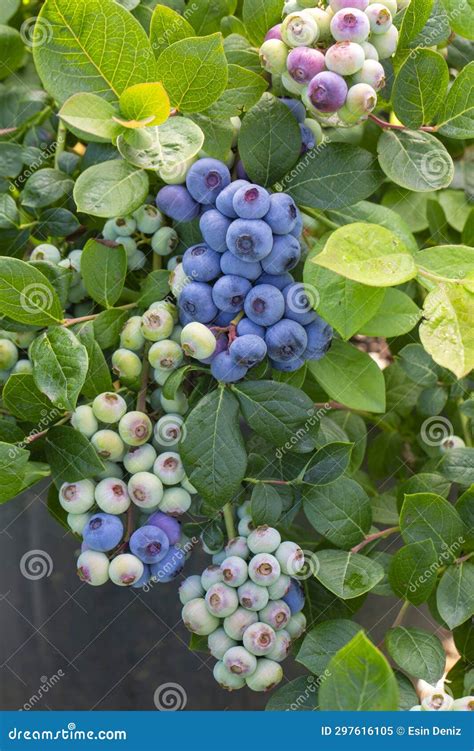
[[178, 280], [46, 252], [175, 501], [165, 241], [239, 661], [259, 638], [169, 468], [323, 20], [166, 354], [109, 231], [299, 30], [135, 428], [346, 117], [169, 307], [190, 589], [372, 73], [145, 490], [93, 568], [84, 420], [8, 354], [148, 218], [139, 458], [131, 336], [111, 469], [218, 643], [245, 526], [157, 324], [238, 546], [264, 569], [252, 596], [361, 99], [22, 339], [390, 4], [179, 404], [176, 174], [276, 614], [111, 496], [238, 622], [218, 558], [221, 600], [136, 261], [369, 51], [244, 509], [77, 522], [385, 44], [291, 6], [291, 85], [466, 704], [173, 262], [234, 571], [437, 701], [130, 246], [168, 430], [226, 680], [210, 576], [125, 570], [416, 708], [176, 335], [273, 54], [267, 675], [315, 129], [198, 341], [452, 442], [282, 646], [160, 376], [77, 293], [279, 589], [124, 226], [197, 618], [77, 497], [264, 539], [345, 58], [380, 18], [108, 445], [296, 626], [4, 376], [109, 407], [126, 364], [188, 486], [290, 557]]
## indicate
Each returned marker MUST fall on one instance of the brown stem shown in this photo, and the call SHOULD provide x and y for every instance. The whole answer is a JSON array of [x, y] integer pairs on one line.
[[392, 126], [464, 558], [376, 536], [72, 321]]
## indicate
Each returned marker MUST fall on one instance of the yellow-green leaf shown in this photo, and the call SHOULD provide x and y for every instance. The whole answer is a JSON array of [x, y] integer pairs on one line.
[[144, 101], [447, 332]]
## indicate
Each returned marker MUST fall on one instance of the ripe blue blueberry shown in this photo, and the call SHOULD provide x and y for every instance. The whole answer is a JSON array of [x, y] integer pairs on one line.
[[223, 318], [225, 199], [176, 202], [290, 366], [327, 91], [111, 496], [144, 578], [286, 340], [298, 304], [264, 305], [170, 526], [196, 302], [103, 532], [246, 326], [259, 639], [239, 661], [294, 598], [93, 568], [276, 614], [251, 202], [225, 369], [248, 350], [350, 24], [201, 263], [280, 281], [319, 335], [229, 293], [230, 264], [296, 108], [249, 239], [304, 63], [206, 178], [286, 253], [149, 543], [170, 566], [214, 225], [253, 596]]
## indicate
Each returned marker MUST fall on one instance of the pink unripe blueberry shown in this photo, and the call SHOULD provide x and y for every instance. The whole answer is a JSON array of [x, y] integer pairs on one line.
[[221, 600], [264, 569], [239, 661], [341, 4], [304, 63], [299, 30], [234, 571], [252, 596], [264, 539], [125, 570], [327, 91], [77, 497], [238, 546], [190, 589], [135, 428], [197, 618], [373, 73], [345, 58], [145, 489], [225, 679], [282, 646], [351, 25], [273, 33], [273, 54], [290, 557], [238, 622], [111, 496], [210, 576], [267, 675], [361, 99], [380, 18], [259, 638], [169, 468], [296, 626], [218, 643], [276, 614], [93, 568]]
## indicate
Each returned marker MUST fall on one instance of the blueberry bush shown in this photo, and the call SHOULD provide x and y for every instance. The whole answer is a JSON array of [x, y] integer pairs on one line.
[[237, 305]]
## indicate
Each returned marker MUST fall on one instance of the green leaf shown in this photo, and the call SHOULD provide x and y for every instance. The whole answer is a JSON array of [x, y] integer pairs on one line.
[[328, 463], [324, 641], [413, 571], [89, 116], [165, 147], [84, 49], [410, 206], [45, 187], [340, 512], [113, 188], [98, 378], [452, 261], [426, 516], [108, 325], [368, 254], [176, 378], [455, 594], [26, 402], [298, 695], [269, 141], [351, 377], [416, 652], [365, 211], [103, 271], [336, 176], [206, 17], [446, 331], [266, 505], [457, 208], [461, 17], [60, 365], [259, 16], [167, 27], [56, 223], [11, 160], [13, 461], [397, 315], [419, 365], [213, 450], [155, 287], [355, 431], [276, 411], [218, 134], [465, 509], [194, 72], [415, 160], [8, 9], [458, 465], [244, 89], [414, 19], [26, 295], [9, 215], [456, 119], [71, 455], [145, 102], [13, 51], [420, 88], [347, 575], [359, 678]]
